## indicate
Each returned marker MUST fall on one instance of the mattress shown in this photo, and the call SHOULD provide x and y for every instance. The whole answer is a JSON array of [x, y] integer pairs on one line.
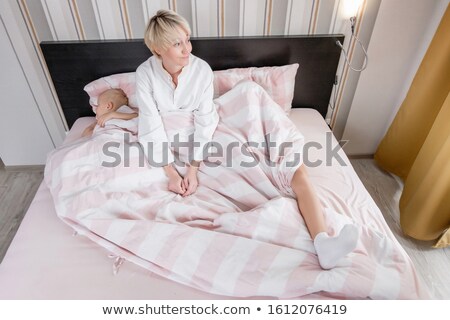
[[46, 260]]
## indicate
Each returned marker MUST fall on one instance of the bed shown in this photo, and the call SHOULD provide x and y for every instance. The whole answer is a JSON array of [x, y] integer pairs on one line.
[[49, 260]]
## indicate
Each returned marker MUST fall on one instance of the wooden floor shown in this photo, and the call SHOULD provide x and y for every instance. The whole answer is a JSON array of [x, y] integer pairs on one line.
[[17, 189], [433, 265]]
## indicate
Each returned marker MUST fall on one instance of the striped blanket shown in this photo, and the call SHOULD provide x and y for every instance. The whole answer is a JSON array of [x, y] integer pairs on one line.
[[240, 234]]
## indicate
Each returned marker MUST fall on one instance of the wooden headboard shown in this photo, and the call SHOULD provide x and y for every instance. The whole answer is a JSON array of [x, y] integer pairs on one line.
[[73, 64]]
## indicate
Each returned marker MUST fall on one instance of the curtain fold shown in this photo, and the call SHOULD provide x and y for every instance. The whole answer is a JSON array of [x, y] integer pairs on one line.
[[417, 144]]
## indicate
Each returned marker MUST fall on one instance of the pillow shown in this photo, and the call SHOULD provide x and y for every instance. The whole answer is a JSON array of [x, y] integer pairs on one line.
[[225, 80], [279, 82], [124, 81]]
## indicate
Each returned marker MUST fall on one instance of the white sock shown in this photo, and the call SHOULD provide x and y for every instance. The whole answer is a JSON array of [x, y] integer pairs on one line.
[[331, 249]]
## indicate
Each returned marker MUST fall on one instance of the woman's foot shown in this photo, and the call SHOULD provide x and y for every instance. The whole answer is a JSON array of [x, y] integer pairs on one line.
[[332, 249]]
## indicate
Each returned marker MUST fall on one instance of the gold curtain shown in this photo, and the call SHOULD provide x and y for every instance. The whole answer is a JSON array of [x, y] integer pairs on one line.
[[417, 145]]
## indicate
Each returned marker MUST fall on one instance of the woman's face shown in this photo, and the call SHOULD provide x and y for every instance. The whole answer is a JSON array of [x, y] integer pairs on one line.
[[176, 56]]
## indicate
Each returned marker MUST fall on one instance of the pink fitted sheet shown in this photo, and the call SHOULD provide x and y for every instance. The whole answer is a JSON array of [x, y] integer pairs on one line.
[[47, 261]]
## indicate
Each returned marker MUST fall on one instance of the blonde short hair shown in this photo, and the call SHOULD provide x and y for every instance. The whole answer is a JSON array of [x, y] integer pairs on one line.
[[116, 96], [162, 30]]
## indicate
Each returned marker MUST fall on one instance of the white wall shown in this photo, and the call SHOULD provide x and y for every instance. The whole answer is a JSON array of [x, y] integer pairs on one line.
[[25, 139], [31, 122], [401, 36]]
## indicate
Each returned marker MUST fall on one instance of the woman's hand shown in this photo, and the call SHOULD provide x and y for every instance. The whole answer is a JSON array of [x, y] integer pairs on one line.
[[176, 183], [190, 179]]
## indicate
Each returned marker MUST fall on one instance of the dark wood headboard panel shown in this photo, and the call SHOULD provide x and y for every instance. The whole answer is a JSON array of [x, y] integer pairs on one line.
[[73, 64]]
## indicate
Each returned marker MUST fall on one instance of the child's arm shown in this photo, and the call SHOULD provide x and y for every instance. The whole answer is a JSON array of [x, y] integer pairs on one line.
[[115, 115]]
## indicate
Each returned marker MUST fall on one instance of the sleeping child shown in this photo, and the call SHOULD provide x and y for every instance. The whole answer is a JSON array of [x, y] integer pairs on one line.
[[112, 110]]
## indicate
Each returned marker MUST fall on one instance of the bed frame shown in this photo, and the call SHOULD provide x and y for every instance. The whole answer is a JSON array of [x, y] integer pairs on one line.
[[73, 64]]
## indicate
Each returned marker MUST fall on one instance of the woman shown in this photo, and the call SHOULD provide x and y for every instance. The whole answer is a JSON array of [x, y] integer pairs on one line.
[[173, 79]]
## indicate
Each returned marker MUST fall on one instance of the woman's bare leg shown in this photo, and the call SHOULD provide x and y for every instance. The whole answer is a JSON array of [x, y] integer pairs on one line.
[[308, 203], [329, 249]]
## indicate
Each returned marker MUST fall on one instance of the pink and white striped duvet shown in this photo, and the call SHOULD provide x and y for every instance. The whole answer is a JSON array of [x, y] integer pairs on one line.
[[241, 233]]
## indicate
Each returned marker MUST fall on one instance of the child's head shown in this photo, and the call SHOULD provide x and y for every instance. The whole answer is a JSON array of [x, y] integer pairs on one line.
[[110, 100]]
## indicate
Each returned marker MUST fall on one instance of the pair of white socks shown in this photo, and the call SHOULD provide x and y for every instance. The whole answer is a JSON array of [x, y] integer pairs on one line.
[[332, 249]]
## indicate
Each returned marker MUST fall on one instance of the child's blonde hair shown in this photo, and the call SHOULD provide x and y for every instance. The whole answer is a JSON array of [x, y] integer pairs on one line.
[[162, 30], [116, 96]]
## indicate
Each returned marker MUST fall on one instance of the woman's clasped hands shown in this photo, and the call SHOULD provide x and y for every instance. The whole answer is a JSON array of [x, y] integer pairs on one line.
[[183, 186]]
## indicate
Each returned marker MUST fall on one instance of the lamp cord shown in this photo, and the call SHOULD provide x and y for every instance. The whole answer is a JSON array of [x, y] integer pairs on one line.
[[332, 105], [366, 57]]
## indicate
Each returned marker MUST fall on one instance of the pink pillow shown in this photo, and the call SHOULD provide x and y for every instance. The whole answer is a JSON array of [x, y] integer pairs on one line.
[[279, 82], [225, 80], [124, 81]]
